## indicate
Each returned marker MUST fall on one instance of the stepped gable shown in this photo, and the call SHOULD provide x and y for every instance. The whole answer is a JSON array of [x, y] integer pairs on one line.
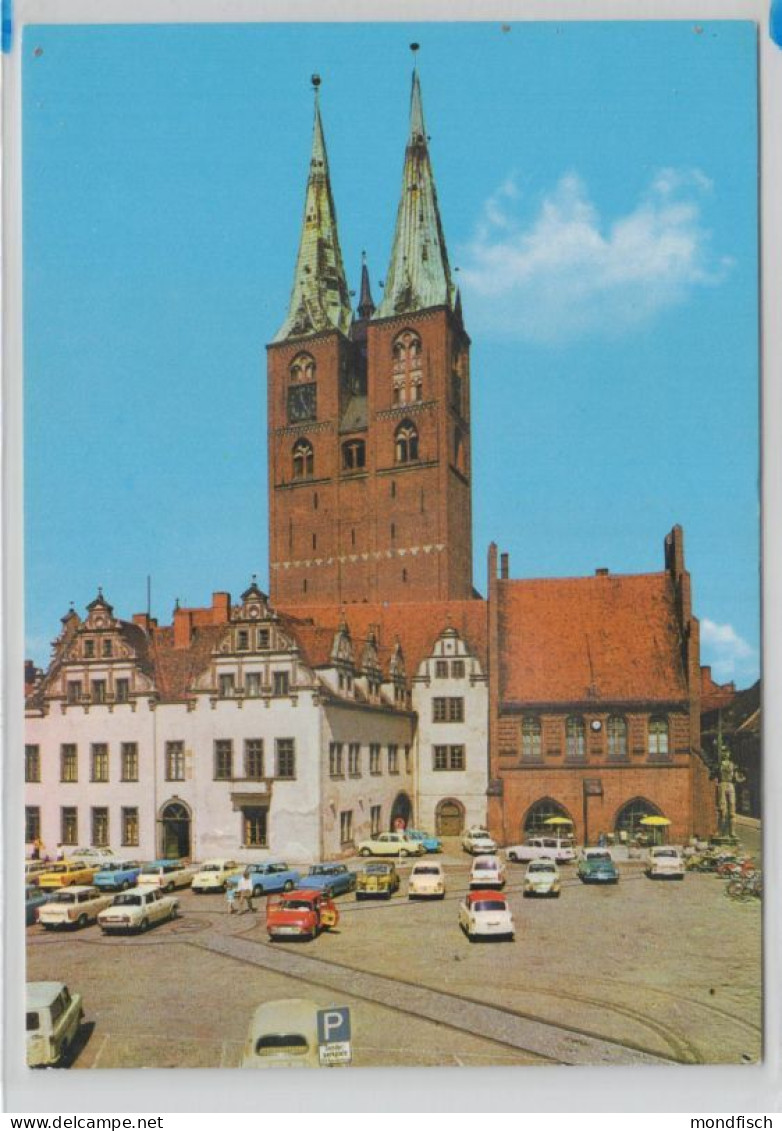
[[418, 625], [612, 637]]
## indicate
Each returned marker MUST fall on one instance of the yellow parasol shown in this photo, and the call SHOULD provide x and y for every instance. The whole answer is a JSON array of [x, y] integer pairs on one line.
[[558, 821], [654, 823]]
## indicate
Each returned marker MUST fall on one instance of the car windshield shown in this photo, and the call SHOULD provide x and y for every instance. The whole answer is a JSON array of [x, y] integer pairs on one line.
[[542, 866], [130, 899], [33, 1022], [378, 870], [321, 870], [666, 852], [598, 856], [426, 870], [64, 897], [152, 869], [490, 905], [282, 1044], [212, 868], [489, 865], [294, 905]]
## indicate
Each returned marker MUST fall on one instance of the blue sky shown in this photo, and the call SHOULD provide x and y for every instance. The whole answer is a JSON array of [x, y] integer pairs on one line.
[[598, 190]]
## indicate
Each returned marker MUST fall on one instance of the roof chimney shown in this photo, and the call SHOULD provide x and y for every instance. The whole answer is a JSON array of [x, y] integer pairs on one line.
[[504, 566], [601, 571]]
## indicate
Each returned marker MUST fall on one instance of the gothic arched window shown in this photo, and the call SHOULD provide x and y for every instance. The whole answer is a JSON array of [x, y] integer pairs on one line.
[[303, 460], [408, 382], [406, 442], [302, 368], [354, 455]]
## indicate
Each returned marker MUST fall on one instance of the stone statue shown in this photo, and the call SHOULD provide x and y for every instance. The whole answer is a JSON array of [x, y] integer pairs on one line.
[[727, 776]]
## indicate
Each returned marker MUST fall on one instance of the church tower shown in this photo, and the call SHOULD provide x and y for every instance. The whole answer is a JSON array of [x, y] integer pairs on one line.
[[369, 418]]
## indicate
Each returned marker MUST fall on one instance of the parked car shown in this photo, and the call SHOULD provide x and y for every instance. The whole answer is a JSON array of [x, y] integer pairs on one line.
[[283, 1034], [118, 876], [94, 855], [213, 875], [477, 841], [138, 909], [53, 1019], [427, 880], [66, 873], [33, 899], [72, 907], [331, 879], [487, 872], [391, 844], [269, 876], [486, 914], [301, 914], [596, 866], [33, 869], [430, 843], [558, 848], [167, 874], [380, 878], [665, 862], [542, 878]]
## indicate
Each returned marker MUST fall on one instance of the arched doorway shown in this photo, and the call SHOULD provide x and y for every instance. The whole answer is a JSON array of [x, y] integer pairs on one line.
[[401, 812], [534, 823], [174, 831], [449, 818], [628, 820]]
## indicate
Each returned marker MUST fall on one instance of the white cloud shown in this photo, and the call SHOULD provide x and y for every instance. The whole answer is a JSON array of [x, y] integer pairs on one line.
[[730, 656], [569, 273]]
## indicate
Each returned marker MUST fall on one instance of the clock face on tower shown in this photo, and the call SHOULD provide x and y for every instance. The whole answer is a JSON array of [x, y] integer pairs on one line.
[[302, 403]]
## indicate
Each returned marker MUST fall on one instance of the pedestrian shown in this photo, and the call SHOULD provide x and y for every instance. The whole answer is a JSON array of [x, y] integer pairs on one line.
[[230, 895], [245, 890], [60, 853], [37, 848]]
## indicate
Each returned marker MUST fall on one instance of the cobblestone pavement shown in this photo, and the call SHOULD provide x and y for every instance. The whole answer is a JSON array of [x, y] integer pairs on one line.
[[644, 972]]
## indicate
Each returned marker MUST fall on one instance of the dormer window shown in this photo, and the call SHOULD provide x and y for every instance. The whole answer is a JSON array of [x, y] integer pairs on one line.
[[242, 640], [74, 691], [106, 649], [281, 683], [263, 639], [227, 685], [89, 649]]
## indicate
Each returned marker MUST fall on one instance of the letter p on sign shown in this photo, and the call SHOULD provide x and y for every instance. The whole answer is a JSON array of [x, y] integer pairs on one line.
[[333, 1025]]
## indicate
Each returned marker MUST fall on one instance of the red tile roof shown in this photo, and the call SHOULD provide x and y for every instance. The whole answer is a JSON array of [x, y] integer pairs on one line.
[[613, 637], [177, 668]]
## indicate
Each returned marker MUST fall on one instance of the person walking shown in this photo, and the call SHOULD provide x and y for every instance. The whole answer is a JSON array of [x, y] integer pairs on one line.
[[245, 890]]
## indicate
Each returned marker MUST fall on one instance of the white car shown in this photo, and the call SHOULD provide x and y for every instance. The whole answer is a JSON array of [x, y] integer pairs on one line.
[[95, 855], [427, 881], [665, 862], [542, 878], [214, 875], [167, 874], [72, 907], [543, 847], [283, 1034], [477, 840], [391, 844], [137, 910], [487, 872], [486, 914], [53, 1019]]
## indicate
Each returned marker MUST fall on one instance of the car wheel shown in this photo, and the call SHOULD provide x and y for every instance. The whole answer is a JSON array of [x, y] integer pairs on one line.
[[169, 887], [143, 925], [174, 912], [288, 885], [359, 896], [365, 852], [125, 885], [82, 921], [257, 891], [352, 884]]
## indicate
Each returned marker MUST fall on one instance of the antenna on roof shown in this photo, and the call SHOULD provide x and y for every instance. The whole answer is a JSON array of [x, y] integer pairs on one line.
[[149, 594]]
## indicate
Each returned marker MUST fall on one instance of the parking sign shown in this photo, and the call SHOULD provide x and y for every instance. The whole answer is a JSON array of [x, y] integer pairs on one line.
[[334, 1036]]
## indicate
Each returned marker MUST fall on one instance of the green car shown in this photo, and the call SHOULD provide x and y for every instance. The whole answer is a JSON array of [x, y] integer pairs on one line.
[[596, 866], [376, 881]]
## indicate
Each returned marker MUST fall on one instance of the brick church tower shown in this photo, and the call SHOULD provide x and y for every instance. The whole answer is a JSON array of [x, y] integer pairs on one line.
[[369, 414]]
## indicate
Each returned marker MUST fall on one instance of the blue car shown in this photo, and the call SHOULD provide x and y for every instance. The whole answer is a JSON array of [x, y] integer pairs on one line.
[[331, 879], [118, 876], [268, 877], [430, 843], [33, 899]]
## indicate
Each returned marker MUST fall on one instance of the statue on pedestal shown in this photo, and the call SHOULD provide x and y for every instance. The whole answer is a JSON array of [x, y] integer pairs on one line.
[[727, 777]]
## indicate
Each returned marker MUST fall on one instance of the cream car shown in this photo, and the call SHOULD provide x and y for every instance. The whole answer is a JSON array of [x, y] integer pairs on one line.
[[477, 840], [283, 1034], [214, 875], [53, 1019], [72, 907], [487, 872], [391, 844], [167, 874], [486, 914], [137, 910], [542, 878], [665, 862], [427, 881]]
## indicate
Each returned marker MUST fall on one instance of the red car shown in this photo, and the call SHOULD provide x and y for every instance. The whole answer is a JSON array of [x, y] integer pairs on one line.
[[302, 914]]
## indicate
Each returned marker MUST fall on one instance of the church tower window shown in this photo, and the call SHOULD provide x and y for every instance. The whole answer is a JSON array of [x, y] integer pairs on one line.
[[406, 442], [354, 455], [303, 460], [408, 382]]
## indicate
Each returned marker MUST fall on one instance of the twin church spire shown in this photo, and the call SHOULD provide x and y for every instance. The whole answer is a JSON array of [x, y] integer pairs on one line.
[[418, 276]]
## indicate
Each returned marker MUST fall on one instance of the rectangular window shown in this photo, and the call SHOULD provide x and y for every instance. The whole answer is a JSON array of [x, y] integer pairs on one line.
[[227, 685], [74, 691], [32, 824], [393, 758], [448, 710], [457, 757], [354, 760], [242, 640], [99, 691], [100, 828], [130, 827], [32, 763], [374, 817], [254, 825], [129, 759], [69, 762], [89, 649], [280, 683], [175, 761], [252, 684], [335, 760], [374, 758], [106, 648], [441, 669], [263, 639], [99, 762], [408, 760], [69, 825], [285, 749], [224, 759], [457, 669], [448, 758], [346, 827], [253, 758], [122, 690]]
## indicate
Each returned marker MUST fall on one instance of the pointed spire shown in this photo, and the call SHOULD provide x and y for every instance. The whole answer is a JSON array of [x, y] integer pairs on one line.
[[366, 307], [319, 298], [418, 276]]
